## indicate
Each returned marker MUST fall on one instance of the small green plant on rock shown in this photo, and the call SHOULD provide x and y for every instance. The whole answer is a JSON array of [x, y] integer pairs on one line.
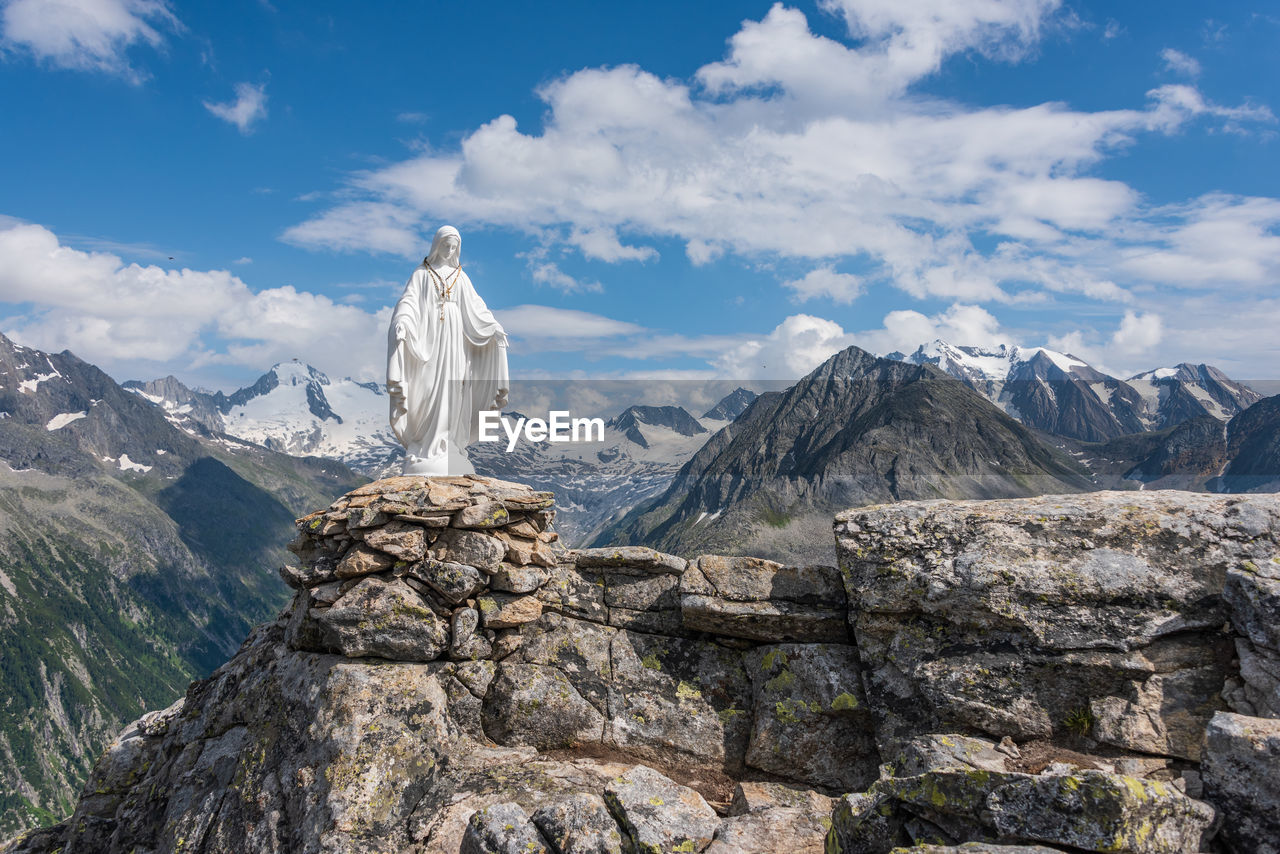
[[1079, 721]]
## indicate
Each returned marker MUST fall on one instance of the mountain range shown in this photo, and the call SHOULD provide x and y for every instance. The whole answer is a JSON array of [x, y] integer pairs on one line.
[[1122, 432], [118, 583], [298, 410], [857, 430], [1063, 395]]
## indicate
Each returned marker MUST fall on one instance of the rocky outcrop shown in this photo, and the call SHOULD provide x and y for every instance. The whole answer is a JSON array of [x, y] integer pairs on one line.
[[1029, 675]]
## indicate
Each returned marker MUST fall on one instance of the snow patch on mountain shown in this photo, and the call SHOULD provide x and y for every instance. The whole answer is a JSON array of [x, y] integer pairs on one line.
[[62, 419]]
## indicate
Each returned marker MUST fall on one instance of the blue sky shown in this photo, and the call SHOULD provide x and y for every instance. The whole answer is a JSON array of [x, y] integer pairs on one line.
[[658, 189]]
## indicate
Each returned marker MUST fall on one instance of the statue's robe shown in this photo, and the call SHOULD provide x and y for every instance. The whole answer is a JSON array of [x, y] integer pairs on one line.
[[446, 361]]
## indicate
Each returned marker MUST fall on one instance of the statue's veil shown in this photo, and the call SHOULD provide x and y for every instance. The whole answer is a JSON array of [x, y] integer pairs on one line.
[[435, 257]]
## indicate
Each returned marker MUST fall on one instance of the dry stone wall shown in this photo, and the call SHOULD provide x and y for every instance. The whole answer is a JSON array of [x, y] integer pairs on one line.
[[1028, 675]]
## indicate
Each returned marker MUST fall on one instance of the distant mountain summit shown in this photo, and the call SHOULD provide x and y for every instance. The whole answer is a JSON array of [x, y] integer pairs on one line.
[[294, 409], [857, 430], [731, 405], [633, 419], [298, 410], [1062, 394]]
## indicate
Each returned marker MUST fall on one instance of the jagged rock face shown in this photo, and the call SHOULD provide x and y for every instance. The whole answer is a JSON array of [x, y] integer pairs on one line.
[[1038, 673], [1034, 618], [1253, 446]]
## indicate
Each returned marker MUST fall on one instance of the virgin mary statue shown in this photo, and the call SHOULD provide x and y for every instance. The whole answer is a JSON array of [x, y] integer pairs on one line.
[[446, 361]]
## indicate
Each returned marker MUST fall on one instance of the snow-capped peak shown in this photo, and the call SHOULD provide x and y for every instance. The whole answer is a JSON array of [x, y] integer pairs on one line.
[[294, 372]]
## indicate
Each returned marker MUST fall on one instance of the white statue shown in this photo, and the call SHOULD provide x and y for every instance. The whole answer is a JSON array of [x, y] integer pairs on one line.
[[446, 361]]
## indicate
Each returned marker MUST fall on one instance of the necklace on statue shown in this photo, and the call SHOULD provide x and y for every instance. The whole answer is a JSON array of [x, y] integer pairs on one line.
[[444, 289]]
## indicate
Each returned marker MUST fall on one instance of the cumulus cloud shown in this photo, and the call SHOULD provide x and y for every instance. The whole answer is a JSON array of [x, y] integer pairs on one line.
[[113, 314], [794, 348], [245, 110], [1138, 333], [86, 35], [905, 330]]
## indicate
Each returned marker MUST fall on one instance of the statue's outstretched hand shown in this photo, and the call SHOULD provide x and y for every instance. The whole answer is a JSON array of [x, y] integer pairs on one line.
[[500, 399]]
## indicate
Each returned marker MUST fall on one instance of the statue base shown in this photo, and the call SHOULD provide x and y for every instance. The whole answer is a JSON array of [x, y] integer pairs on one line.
[[453, 463]]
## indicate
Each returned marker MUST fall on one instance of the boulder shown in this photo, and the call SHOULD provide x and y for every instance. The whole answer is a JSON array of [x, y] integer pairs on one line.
[[508, 610], [518, 579], [749, 597], [575, 592], [1253, 593], [454, 582], [865, 823], [579, 824], [1092, 810], [578, 649], [486, 514], [537, 706], [464, 643], [400, 540], [1241, 773], [675, 701], [658, 814], [472, 548], [502, 829], [810, 718], [362, 560], [789, 829], [384, 618], [633, 557]]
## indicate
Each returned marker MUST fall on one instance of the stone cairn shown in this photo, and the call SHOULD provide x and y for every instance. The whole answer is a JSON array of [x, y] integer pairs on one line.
[[424, 568]]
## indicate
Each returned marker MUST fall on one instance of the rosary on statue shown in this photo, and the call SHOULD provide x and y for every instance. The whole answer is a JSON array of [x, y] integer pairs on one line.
[[444, 289]]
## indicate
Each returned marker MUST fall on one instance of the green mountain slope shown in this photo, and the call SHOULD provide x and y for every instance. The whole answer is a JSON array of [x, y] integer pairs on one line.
[[134, 557]]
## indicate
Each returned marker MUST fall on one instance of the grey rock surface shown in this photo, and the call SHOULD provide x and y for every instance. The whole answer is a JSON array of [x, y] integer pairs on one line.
[[1241, 772], [1009, 674], [1032, 618], [659, 815]]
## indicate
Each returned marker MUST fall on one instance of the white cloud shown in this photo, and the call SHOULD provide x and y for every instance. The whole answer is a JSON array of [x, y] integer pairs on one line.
[[86, 35], [147, 317], [603, 244], [547, 272], [826, 282], [1138, 333], [800, 147], [1180, 63], [794, 348], [1213, 240], [248, 108], [542, 321], [905, 330]]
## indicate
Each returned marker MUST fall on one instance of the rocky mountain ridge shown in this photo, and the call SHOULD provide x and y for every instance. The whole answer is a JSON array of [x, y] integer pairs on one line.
[[857, 430], [1088, 672]]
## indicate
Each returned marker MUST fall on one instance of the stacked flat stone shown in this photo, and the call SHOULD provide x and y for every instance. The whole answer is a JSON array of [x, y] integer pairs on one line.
[[414, 568]]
